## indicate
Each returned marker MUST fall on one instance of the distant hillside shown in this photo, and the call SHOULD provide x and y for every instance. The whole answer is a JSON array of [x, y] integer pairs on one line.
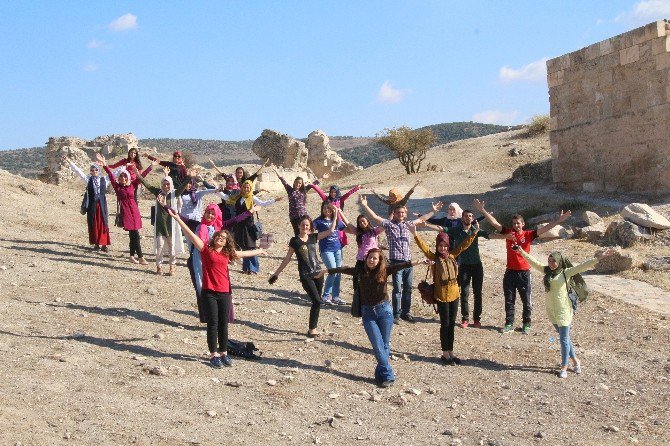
[[26, 162], [371, 153], [221, 152]]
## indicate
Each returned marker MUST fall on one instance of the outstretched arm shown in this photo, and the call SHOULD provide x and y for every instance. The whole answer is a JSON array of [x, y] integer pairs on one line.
[[436, 208], [381, 198], [282, 265], [532, 260], [409, 193], [252, 253], [349, 193], [364, 204], [430, 255], [564, 216], [197, 242], [319, 192], [479, 205], [221, 172], [80, 173]]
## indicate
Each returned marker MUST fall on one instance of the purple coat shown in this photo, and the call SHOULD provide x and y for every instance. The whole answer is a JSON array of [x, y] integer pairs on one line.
[[125, 195]]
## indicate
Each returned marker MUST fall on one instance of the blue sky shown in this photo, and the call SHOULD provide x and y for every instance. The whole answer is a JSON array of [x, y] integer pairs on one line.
[[228, 70]]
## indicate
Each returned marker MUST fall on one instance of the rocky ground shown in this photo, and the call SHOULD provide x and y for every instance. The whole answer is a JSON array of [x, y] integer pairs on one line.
[[97, 350]]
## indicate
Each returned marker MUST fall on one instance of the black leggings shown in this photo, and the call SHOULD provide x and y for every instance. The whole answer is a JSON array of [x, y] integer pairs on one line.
[[217, 306], [135, 247], [313, 288], [447, 311]]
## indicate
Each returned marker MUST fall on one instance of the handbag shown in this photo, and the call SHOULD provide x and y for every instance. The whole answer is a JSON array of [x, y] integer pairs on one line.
[[427, 290], [84, 204], [356, 304], [256, 231], [267, 241], [118, 220]]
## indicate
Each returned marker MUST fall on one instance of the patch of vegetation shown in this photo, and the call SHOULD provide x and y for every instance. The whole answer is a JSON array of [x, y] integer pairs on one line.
[[539, 124], [26, 162]]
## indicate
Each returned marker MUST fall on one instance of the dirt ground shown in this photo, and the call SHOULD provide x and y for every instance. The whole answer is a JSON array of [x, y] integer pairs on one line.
[[98, 350]]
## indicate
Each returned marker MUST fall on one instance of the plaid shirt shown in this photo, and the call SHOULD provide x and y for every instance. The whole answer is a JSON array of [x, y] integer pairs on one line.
[[398, 237]]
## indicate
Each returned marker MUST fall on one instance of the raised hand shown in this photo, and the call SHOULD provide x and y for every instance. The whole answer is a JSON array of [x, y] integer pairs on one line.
[[362, 199], [411, 227], [564, 216], [173, 214], [100, 157], [145, 155], [155, 163], [437, 206], [479, 205], [160, 198], [475, 224], [417, 183], [166, 170]]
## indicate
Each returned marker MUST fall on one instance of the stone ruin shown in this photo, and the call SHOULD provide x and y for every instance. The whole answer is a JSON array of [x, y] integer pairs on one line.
[[308, 160], [82, 153], [610, 113]]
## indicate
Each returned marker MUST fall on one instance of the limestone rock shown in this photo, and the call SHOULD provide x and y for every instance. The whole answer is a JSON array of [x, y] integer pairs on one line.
[[591, 218], [81, 152], [544, 218], [594, 232], [621, 261], [657, 264], [643, 215], [281, 149], [322, 160], [626, 234], [557, 231]]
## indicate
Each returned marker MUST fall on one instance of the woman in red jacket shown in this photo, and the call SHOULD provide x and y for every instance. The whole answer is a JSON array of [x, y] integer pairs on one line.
[[130, 213]]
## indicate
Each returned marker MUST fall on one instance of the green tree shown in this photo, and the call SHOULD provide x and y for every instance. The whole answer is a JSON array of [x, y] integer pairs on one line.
[[410, 146]]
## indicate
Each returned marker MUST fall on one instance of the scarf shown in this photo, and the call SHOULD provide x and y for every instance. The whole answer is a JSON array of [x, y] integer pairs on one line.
[[191, 192], [446, 269], [563, 263], [338, 193], [248, 198], [121, 170], [459, 211], [203, 229]]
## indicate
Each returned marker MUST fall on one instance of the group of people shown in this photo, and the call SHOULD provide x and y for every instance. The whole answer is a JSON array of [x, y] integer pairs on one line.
[[455, 262]]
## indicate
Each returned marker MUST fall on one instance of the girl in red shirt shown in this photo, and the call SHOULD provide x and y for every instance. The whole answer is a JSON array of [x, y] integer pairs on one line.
[[216, 292]]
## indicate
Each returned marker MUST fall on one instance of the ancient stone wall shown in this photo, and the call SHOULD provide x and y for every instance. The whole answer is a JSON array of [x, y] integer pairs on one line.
[[610, 113]]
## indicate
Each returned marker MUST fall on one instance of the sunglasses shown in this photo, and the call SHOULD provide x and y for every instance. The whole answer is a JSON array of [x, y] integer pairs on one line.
[[176, 156]]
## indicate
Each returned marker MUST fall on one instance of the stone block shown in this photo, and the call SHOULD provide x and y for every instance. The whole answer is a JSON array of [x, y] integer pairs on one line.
[[660, 45], [592, 51], [645, 50], [555, 79], [644, 215], [606, 47], [629, 55], [662, 61]]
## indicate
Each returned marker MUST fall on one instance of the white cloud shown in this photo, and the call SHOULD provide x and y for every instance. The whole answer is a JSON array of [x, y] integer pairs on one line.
[[124, 23], [496, 117], [95, 43], [91, 67], [389, 95], [645, 11], [532, 72]]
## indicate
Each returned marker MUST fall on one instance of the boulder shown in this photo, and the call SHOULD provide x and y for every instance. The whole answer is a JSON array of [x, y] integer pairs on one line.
[[325, 162], [626, 234], [620, 261], [591, 218], [544, 218], [594, 232], [282, 150], [657, 264], [557, 231], [643, 215]]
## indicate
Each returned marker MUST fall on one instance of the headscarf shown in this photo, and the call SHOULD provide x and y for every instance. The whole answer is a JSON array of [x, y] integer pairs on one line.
[[121, 170], [338, 193], [459, 211], [169, 180], [248, 198], [203, 229], [192, 191], [95, 165], [394, 195], [442, 237], [562, 264]]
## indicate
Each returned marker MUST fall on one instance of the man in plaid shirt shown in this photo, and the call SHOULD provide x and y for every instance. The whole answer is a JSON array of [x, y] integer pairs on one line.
[[398, 236]]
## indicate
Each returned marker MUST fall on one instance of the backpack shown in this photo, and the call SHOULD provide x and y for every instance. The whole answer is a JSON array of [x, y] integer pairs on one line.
[[578, 291]]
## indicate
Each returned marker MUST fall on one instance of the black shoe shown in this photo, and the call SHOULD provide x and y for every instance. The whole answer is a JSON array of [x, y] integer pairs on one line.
[[96, 248], [385, 384], [104, 249], [407, 317], [446, 361], [456, 360], [226, 361], [216, 362]]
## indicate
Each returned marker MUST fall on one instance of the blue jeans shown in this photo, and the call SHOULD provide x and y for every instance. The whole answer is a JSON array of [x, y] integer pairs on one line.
[[332, 259], [402, 290], [250, 263], [378, 322], [567, 349]]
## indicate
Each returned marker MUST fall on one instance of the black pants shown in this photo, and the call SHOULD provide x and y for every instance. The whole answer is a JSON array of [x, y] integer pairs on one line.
[[134, 245], [514, 281], [294, 223], [447, 312], [198, 296], [313, 288], [466, 274], [217, 306]]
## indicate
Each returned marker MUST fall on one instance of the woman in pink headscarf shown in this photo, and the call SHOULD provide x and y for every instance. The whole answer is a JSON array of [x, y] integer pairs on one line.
[[212, 221]]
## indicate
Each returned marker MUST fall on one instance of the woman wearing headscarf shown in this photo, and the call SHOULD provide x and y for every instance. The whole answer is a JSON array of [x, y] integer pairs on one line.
[[95, 204], [131, 219], [395, 198], [447, 291], [191, 201], [210, 223], [168, 239], [558, 274], [244, 232], [337, 199], [133, 157]]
